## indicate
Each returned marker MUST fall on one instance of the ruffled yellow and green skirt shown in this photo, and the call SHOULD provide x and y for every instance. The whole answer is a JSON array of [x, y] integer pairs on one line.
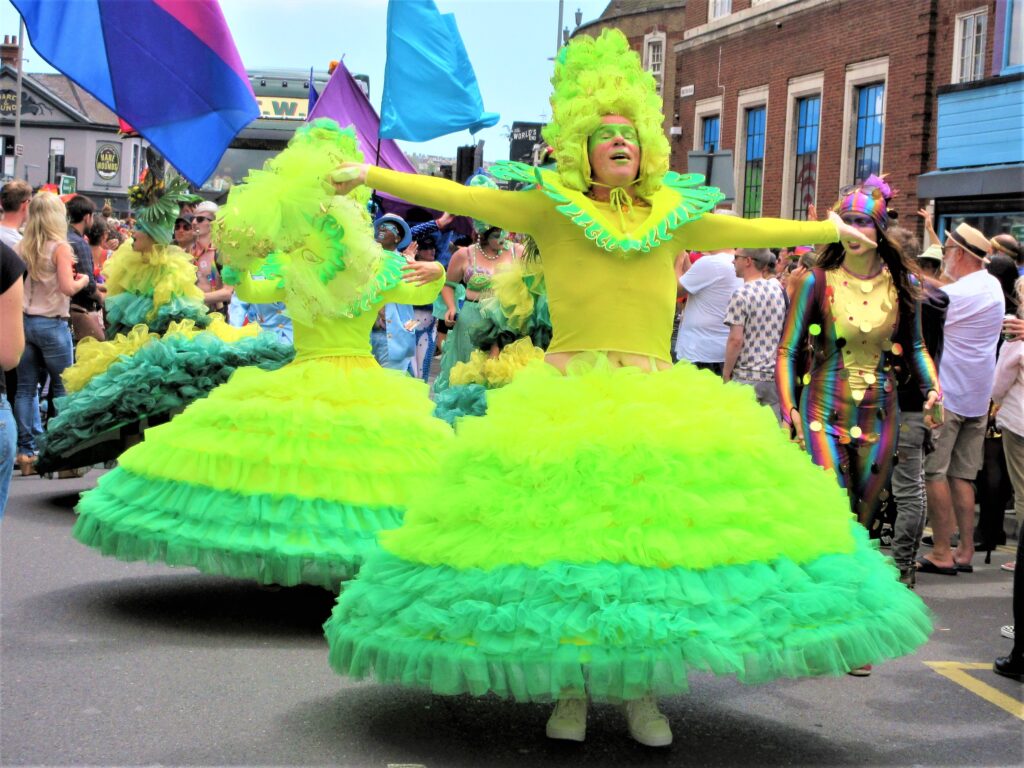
[[612, 531], [284, 477]]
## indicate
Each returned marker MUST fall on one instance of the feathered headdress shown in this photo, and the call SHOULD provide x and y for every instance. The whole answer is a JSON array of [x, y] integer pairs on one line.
[[157, 198]]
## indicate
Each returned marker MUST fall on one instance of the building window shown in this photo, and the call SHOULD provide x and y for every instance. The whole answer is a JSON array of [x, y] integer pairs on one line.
[[969, 46], [805, 175], [654, 57], [867, 158], [710, 128], [1013, 42], [135, 164], [55, 165], [719, 8], [753, 162]]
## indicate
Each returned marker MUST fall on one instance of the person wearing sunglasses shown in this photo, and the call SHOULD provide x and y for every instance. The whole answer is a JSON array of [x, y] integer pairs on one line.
[[858, 312], [183, 234], [204, 256]]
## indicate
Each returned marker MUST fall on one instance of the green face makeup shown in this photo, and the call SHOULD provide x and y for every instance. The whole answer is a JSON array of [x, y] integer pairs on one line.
[[611, 131]]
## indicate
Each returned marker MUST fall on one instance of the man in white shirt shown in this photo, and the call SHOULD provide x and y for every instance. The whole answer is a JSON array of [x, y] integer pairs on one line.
[[973, 323], [708, 286], [14, 199]]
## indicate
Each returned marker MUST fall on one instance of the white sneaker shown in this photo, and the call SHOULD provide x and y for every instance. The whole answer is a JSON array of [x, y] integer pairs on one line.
[[646, 723], [1007, 632], [569, 720]]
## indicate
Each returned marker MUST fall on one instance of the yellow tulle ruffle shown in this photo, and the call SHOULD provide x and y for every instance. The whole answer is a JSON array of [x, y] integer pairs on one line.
[[163, 272], [493, 372]]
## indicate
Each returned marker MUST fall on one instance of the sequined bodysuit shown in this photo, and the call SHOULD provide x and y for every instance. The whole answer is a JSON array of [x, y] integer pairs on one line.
[[848, 407]]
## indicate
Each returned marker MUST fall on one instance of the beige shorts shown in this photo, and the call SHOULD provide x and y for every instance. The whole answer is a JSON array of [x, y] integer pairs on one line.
[[959, 448]]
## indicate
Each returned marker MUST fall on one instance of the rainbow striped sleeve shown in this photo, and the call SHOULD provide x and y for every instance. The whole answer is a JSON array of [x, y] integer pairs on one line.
[[921, 362], [797, 322]]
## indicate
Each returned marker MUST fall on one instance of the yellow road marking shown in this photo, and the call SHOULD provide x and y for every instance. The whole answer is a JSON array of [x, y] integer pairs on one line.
[[956, 671]]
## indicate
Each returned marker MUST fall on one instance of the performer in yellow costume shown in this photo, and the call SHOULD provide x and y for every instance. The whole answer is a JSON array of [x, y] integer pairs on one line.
[[627, 522], [286, 476]]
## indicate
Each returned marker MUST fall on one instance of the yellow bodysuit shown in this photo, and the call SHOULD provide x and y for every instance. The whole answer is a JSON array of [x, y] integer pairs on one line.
[[614, 289]]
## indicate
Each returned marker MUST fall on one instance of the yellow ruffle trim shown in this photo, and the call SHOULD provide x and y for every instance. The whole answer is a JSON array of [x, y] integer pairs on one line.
[[163, 272], [94, 357], [494, 372]]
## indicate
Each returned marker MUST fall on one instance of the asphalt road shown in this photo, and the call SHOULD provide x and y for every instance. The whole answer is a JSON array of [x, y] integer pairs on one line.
[[111, 663]]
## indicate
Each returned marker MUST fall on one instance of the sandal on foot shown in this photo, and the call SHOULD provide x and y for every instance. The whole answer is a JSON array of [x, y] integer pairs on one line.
[[924, 565]]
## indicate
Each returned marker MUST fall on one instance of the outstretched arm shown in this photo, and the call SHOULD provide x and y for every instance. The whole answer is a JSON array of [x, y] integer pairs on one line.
[[713, 232], [515, 211]]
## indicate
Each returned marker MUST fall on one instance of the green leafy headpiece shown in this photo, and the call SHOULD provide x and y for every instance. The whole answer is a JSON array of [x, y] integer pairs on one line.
[[596, 77], [157, 199]]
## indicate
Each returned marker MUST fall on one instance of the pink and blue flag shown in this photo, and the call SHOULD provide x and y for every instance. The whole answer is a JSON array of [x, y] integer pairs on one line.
[[168, 67]]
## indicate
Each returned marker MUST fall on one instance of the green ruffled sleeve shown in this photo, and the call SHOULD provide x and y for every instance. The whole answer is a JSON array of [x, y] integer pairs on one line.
[[714, 232]]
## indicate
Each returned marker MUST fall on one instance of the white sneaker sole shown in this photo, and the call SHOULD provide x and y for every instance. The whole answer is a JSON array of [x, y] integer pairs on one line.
[[565, 734], [663, 741]]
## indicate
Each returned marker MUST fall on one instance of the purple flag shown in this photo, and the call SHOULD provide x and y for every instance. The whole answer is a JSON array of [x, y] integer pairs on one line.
[[344, 101]]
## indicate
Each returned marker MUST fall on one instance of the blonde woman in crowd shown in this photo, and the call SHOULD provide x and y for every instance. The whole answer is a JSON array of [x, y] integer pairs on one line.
[[50, 283]]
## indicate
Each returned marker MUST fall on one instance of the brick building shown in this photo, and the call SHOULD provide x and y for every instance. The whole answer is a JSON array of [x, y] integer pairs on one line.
[[811, 95]]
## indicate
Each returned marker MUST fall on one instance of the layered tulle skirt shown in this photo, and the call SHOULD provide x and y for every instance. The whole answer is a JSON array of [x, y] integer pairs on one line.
[[284, 477], [611, 531], [138, 378]]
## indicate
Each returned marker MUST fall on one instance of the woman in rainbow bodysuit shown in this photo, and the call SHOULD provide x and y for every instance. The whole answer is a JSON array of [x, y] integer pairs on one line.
[[859, 312], [474, 266], [605, 543], [286, 476]]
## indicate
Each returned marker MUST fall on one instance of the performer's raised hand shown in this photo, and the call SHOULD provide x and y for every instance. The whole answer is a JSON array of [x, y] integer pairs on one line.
[[348, 176], [422, 272], [849, 233]]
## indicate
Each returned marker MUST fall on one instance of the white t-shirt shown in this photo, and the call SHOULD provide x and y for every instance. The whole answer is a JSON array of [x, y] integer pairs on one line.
[[973, 323], [9, 236], [710, 283]]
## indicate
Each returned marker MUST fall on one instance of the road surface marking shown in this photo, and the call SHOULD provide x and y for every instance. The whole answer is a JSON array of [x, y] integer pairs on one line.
[[957, 672]]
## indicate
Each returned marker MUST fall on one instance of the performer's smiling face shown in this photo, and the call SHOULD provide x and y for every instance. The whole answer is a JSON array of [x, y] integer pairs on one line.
[[614, 152]]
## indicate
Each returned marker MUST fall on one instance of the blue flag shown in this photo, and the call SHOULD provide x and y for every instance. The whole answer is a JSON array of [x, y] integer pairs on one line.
[[430, 88]]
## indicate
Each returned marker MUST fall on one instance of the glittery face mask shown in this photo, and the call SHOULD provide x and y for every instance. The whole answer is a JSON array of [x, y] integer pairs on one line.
[[609, 132]]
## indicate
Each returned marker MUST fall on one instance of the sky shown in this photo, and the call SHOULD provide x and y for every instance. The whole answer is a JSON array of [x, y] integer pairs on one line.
[[509, 43]]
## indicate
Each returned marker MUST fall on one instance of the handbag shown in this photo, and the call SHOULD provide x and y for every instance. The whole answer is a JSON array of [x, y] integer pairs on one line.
[[86, 323]]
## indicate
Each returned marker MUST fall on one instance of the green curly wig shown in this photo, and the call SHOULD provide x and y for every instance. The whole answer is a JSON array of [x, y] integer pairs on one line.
[[596, 77]]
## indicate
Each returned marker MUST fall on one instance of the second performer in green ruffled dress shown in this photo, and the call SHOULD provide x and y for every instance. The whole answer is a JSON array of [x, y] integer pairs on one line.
[[286, 476]]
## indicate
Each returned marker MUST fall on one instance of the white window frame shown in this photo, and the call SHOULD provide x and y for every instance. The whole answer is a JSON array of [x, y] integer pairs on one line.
[[957, 76], [799, 87], [718, 9], [707, 108], [748, 99], [861, 73], [659, 77]]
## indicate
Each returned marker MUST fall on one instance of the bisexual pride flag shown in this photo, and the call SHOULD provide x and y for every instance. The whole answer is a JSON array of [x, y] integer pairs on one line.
[[168, 67]]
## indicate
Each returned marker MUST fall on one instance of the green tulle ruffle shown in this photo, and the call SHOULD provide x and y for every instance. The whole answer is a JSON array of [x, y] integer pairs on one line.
[[458, 401], [163, 376], [619, 632], [126, 310], [283, 540]]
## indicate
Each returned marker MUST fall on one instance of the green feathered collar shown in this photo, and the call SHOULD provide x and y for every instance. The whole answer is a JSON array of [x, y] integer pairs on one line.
[[679, 200]]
